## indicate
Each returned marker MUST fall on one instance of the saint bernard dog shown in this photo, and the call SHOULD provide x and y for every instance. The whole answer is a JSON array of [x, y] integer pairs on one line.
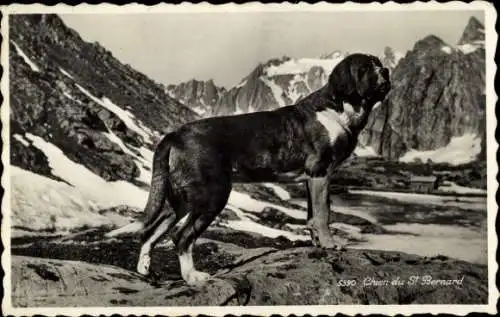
[[194, 167]]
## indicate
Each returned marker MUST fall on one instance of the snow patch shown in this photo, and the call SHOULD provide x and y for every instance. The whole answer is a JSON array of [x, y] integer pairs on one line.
[[66, 94], [245, 223], [279, 191], [199, 110], [21, 139], [105, 194], [239, 111], [468, 48], [472, 203], [245, 202], [41, 203], [446, 49], [460, 150], [303, 65], [128, 118], [365, 151], [293, 94], [451, 187], [115, 139], [65, 73], [26, 58], [143, 161], [275, 89], [171, 94]]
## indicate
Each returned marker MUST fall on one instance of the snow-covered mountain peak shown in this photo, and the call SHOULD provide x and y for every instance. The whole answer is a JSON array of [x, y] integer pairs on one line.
[[302, 66]]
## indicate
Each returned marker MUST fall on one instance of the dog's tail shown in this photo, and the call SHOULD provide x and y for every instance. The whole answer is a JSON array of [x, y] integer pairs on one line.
[[160, 190]]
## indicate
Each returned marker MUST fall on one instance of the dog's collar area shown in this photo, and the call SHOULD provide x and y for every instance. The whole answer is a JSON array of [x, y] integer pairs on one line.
[[335, 105], [342, 123], [322, 100], [332, 114]]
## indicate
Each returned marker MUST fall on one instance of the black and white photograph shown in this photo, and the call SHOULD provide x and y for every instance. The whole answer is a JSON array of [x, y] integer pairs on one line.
[[263, 159]]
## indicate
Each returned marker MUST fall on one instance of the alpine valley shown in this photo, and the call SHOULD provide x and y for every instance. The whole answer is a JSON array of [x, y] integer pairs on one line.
[[83, 127]]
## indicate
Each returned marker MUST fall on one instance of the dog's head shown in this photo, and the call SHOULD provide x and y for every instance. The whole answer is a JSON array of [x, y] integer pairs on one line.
[[359, 78]]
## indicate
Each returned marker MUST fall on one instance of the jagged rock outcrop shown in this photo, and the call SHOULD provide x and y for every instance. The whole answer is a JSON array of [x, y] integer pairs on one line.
[[438, 93], [200, 96], [77, 96], [276, 83], [474, 32], [252, 94]]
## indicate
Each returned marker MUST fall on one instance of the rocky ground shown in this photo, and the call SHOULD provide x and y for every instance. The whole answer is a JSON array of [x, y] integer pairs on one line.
[[85, 269]]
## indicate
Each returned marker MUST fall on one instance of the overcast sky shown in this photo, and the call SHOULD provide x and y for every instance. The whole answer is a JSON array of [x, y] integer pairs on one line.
[[171, 48]]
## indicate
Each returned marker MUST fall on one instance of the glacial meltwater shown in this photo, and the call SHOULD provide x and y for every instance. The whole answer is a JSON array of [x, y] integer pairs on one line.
[[426, 225]]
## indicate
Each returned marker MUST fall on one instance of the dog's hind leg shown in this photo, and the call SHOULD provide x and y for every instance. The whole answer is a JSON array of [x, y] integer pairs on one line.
[[193, 227], [203, 205], [150, 238], [159, 216]]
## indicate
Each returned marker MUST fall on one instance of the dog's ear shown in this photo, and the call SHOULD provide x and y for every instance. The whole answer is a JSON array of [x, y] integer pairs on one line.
[[342, 82], [363, 87]]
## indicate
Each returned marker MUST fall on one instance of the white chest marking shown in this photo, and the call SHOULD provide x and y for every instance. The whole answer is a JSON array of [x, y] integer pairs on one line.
[[336, 124]]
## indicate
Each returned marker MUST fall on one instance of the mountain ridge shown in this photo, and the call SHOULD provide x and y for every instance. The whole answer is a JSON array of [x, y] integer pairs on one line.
[[283, 81], [474, 31], [437, 95], [200, 96], [66, 91]]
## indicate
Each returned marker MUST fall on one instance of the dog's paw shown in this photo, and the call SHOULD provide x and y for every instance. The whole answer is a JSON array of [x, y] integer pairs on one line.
[[196, 278], [339, 247], [143, 264], [338, 244], [329, 242]]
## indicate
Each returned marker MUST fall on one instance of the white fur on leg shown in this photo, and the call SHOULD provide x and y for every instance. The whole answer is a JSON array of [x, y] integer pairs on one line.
[[182, 221], [144, 256], [143, 264], [188, 272]]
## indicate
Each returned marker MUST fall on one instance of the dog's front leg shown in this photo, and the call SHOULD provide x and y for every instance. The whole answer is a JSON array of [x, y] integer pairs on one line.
[[319, 214]]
